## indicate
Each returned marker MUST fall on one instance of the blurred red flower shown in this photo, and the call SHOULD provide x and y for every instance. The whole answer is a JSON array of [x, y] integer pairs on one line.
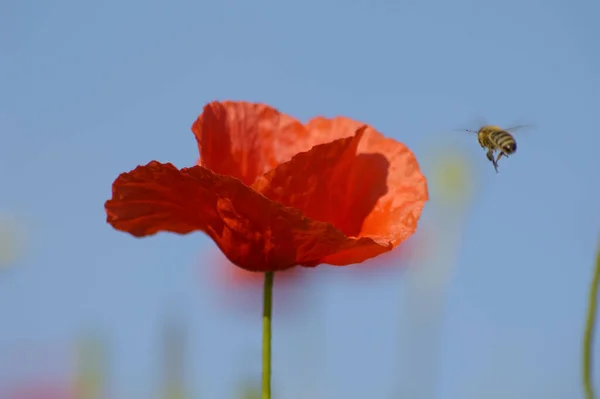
[[274, 193], [242, 290]]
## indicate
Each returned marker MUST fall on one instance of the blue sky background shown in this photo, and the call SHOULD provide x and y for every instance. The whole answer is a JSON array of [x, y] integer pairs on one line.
[[92, 89]]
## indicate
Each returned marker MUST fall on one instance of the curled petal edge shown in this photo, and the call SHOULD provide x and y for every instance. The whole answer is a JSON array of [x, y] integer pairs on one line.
[[255, 233]]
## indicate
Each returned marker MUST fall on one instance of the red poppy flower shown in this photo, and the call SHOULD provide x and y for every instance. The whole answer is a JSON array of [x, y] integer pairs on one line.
[[274, 193]]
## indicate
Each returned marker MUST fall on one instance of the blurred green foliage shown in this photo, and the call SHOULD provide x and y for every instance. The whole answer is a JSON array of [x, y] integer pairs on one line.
[[249, 391], [590, 326], [11, 240]]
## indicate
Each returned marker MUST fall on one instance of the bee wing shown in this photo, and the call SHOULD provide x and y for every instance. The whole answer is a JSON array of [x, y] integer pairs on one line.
[[511, 129], [518, 127]]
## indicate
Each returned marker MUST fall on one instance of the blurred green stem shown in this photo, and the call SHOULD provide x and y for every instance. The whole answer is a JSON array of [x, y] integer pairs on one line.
[[266, 351], [588, 344]]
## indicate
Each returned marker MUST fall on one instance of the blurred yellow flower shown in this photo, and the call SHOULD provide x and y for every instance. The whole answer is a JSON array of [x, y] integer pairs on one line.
[[452, 177]]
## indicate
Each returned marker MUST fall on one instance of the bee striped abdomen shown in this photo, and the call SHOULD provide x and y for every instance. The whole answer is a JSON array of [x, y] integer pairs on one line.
[[504, 142]]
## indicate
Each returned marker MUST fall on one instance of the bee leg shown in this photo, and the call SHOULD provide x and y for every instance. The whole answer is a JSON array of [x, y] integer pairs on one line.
[[497, 159], [490, 156]]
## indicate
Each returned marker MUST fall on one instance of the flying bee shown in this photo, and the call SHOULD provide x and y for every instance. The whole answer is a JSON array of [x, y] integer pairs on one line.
[[493, 138]]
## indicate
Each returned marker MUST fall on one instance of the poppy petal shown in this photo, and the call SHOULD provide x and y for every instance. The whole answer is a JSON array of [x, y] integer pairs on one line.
[[254, 232], [246, 140], [324, 130], [395, 214], [366, 185], [316, 183]]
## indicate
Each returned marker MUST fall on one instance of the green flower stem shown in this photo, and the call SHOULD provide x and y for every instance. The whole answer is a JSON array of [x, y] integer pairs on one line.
[[266, 344], [588, 338]]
